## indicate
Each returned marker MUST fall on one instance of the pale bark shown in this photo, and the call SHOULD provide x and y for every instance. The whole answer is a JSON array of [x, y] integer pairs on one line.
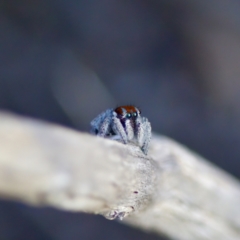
[[171, 191]]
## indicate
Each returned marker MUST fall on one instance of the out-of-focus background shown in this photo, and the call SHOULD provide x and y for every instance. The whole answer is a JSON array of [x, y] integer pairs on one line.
[[66, 61]]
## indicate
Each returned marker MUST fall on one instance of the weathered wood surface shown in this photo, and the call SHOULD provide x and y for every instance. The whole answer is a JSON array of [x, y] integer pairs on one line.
[[172, 191]]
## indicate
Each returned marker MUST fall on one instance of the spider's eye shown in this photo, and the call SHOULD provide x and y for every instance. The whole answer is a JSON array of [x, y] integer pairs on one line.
[[134, 114], [129, 115]]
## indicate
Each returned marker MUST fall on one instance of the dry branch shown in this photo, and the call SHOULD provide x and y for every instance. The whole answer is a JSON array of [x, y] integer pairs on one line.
[[174, 191]]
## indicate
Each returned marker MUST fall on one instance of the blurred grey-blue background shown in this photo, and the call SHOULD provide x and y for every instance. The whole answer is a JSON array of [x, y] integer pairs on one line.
[[66, 61]]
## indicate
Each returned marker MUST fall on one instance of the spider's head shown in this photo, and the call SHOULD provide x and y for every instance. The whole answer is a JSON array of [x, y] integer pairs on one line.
[[127, 112]]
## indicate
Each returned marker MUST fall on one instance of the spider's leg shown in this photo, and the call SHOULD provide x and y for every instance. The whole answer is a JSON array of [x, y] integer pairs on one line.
[[100, 124], [119, 130], [129, 129], [139, 131], [104, 128]]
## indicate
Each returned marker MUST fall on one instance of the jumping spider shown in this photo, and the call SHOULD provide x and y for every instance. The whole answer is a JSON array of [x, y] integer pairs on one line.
[[124, 123]]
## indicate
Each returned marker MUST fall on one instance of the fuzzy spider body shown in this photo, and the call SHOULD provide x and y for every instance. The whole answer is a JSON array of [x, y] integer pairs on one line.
[[124, 123]]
